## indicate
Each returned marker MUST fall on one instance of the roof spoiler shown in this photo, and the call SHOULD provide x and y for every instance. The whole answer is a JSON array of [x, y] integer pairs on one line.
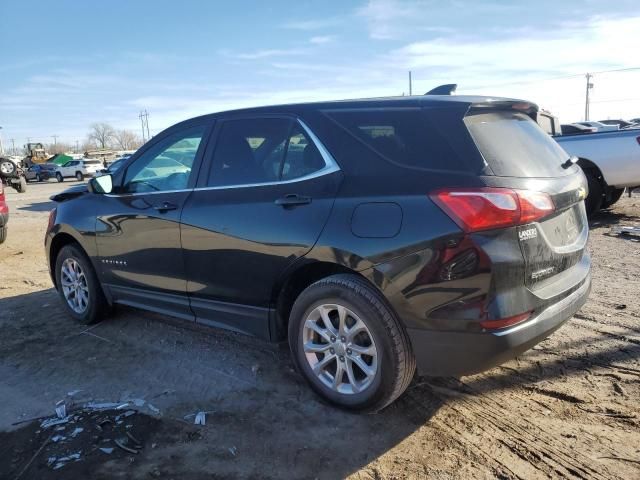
[[448, 89]]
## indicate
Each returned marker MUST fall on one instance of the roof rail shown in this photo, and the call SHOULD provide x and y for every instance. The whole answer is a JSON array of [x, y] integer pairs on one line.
[[448, 89]]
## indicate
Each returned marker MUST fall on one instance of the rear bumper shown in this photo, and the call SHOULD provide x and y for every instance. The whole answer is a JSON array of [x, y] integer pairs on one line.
[[461, 353]]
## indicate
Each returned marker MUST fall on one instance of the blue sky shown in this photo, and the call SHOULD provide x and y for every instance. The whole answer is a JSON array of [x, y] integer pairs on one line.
[[81, 62]]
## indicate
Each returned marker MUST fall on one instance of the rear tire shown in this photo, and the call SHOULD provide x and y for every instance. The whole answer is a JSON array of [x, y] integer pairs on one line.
[[593, 202], [370, 325], [79, 176], [3, 233], [59, 177], [78, 286]]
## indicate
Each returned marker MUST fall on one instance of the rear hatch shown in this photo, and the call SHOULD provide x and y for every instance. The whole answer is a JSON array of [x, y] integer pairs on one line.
[[520, 155]]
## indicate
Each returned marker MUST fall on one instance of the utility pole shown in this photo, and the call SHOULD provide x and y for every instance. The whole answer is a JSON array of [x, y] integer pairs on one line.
[[13, 146], [410, 85], [586, 103], [55, 140], [144, 121]]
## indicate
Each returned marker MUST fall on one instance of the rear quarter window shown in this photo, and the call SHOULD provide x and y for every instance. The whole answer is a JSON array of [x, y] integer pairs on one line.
[[408, 137]]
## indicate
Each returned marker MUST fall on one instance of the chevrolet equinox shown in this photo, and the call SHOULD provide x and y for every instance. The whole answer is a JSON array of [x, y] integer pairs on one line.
[[377, 236]]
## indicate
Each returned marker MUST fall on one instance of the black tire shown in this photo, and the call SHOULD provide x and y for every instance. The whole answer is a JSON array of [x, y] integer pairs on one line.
[[3, 233], [593, 202], [59, 177], [614, 195], [21, 186], [97, 305], [79, 176], [396, 363]]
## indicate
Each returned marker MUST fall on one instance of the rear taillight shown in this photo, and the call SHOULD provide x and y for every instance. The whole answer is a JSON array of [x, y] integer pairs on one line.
[[476, 209]]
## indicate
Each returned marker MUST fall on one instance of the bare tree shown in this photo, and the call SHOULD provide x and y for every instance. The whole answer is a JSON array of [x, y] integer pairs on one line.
[[102, 134], [126, 139], [87, 145]]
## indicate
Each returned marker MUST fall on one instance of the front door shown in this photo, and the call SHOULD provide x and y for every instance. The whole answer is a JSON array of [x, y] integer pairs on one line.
[[138, 226], [268, 193]]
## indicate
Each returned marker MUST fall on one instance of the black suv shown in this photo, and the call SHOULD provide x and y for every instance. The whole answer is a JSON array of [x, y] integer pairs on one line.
[[374, 235]]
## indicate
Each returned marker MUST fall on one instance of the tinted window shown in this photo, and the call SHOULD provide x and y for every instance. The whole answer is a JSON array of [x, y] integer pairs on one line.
[[249, 151], [408, 137], [514, 145], [167, 165], [302, 157]]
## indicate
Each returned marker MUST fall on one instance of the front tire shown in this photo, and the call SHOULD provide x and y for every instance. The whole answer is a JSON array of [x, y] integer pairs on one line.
[[59, 177], [349, 345], [78, 286]]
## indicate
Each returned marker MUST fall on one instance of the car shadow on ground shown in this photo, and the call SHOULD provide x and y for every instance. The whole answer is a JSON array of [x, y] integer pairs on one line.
[[38, 207], [258, 406]]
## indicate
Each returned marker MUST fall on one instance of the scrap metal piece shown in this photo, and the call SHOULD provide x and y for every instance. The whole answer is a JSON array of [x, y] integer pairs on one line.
[[107, 450], [134, 439], [201, 418], [124, 447]]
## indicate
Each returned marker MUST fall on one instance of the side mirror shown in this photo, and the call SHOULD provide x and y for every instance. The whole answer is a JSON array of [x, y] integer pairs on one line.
[[101, 184]]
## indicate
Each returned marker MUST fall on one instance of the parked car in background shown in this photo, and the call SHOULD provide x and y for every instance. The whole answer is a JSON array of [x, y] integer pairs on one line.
[[78, 169], [620, 123], [39, 172], [576, 129], [4, 214], [600, 127], [635, 121], [447, 232], [113, 167], [610, 160]]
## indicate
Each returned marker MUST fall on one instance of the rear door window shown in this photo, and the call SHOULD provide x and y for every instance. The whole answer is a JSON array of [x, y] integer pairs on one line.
[[262, 150], [513, 145]]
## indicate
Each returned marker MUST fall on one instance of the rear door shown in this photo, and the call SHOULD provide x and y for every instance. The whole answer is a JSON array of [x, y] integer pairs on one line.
[[138, 226], [261, 205]]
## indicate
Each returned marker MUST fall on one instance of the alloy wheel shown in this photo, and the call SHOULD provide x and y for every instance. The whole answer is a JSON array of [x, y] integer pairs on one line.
[[340, 349], [74, 285]]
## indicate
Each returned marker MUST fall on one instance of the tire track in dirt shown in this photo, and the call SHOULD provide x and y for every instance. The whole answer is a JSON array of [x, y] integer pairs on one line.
[[531, 451]]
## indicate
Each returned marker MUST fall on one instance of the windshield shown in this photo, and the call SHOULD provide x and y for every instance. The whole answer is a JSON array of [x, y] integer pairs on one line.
[[513, 145]]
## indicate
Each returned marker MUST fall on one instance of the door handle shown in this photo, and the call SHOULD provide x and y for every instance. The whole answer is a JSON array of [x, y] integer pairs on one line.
[[292, 200], [165, 207]]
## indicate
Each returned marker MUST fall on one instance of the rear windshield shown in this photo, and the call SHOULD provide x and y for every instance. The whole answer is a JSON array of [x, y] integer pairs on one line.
[[409, 137], [513, 145]]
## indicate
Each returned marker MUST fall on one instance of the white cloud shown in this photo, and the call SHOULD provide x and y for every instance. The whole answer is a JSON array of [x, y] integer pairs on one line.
[[266, 53], [322, 39]]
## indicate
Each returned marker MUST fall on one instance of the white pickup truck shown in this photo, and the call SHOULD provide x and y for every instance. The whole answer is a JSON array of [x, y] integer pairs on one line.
[[78, 169], [610, 160]]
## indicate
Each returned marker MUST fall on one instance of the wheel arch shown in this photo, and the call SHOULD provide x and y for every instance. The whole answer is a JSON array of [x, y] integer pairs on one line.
[[588, 165], [293, 282]]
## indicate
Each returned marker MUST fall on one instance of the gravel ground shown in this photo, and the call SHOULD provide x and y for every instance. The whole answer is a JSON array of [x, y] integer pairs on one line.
[[566, 409]]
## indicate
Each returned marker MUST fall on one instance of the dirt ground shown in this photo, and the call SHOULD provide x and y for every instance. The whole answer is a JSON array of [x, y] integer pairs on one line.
[[568, 408]]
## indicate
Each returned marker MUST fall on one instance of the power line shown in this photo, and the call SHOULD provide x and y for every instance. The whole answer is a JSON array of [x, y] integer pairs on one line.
[[144, 121], [560, 77]]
